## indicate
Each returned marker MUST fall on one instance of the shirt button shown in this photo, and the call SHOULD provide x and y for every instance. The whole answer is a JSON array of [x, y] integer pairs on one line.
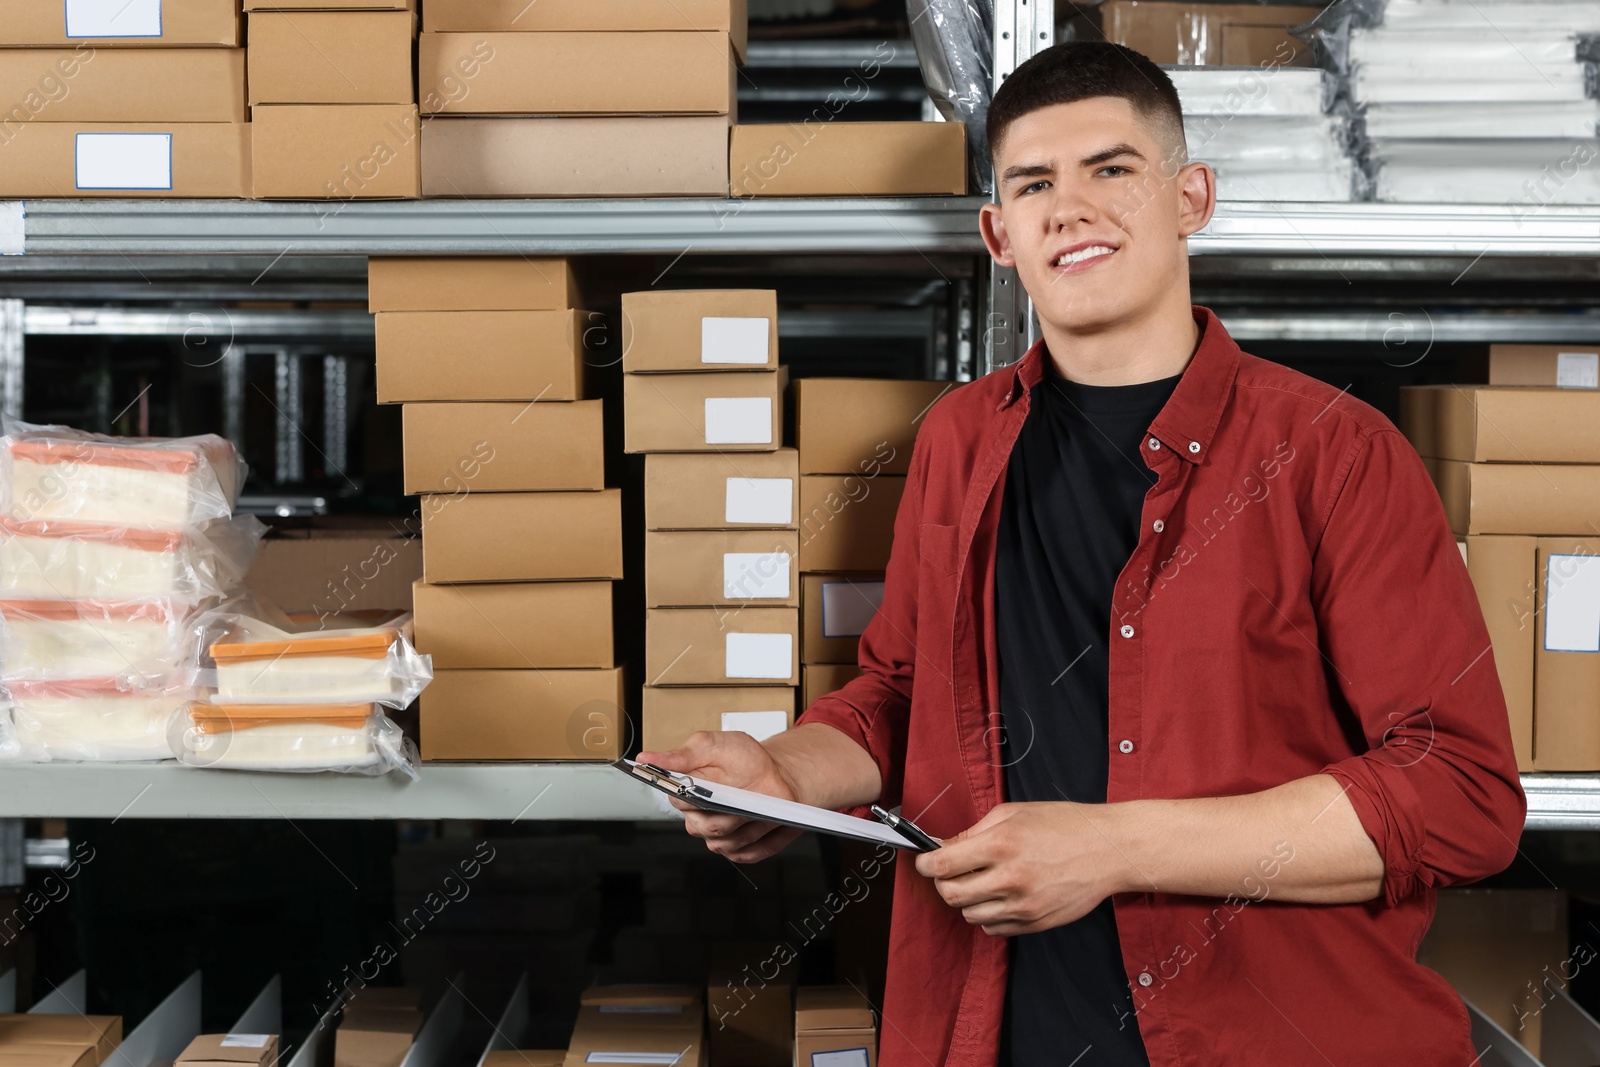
[[1154, 444], [1158, 526], [1194, 446], [1145, 979], [1124, 747], [1127, 631]]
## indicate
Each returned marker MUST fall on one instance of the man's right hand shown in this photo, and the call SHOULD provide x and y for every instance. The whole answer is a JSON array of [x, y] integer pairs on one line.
[[737, 759]]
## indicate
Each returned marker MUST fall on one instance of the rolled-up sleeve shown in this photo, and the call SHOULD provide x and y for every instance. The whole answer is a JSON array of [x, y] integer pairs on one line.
[[1437, 791]]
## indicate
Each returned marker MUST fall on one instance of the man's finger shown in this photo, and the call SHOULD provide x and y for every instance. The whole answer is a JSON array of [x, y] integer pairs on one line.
[[968, 889], [967, 851], [711, 825], [694, 753]]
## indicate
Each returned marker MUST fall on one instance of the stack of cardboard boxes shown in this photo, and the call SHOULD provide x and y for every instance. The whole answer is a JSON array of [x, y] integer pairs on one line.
[[575, 98], [59, 1040], [521, 539], [333, 99], [639, 1024], [137, 98], [702, 382], [1517, 463], [1206, 34], [378, 1027]]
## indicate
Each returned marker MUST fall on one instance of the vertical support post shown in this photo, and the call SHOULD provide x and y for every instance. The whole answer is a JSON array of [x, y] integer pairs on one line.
[[11, 348], [289, 448], [336, 414]]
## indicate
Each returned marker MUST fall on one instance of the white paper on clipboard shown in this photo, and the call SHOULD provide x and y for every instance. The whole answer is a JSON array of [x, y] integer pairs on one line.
[[725, 798]]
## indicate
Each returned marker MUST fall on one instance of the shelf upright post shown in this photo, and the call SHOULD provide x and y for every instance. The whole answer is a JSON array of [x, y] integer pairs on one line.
[[11, 324]]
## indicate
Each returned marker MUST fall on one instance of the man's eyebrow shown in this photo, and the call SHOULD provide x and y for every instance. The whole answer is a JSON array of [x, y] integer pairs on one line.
[[1027, 170], [1108, 154]]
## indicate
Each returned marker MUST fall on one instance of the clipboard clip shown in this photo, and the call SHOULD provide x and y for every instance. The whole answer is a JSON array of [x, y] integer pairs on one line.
[[673, 782]]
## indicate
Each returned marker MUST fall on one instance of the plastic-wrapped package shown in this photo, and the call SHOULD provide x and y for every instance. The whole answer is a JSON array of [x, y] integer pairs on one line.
[[1536, 173], [56, 473], [1499, 119], [60, 560], [349, 738], [48, 640], [1256, 158], [252, 655], [1339, 181], [954, 39], [1250, 91], [94, 719]]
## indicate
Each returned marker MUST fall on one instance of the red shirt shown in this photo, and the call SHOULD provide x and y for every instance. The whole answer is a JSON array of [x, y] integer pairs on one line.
[[1296, 605]]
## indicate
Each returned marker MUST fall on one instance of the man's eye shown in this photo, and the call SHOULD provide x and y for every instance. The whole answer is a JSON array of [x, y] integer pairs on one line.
[[1113, 171], [1036, 185]]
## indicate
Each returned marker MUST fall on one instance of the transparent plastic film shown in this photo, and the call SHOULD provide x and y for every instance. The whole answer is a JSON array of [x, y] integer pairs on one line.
[[954, 40], [353, 738], [95, 720], [60, 559], [59, 640]]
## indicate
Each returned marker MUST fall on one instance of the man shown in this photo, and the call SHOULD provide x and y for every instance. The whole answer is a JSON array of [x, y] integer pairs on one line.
[[1177, 655]]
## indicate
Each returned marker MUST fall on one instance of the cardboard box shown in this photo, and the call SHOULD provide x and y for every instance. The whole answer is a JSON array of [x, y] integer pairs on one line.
[[819, 679], [228, 1050], [471, 283], [848, 159], [503, 446], [331, 57], [847, 521], [700, 330], [1566, 669], [701, 568], [572, 155], [101, 1033], [749, 1013], [37, 1054], [383, 996], [140, 24], [522, 715], [602, 1036], [670, 714], [860, 425], [336, 152], [722, 646], [1563, 366], [834, 612], [522, 537], [544, 1057], [1497, 947], [706, 491], [1503, 571], [1477, 423], [322, 5], [375, 1037], [1194, 34], [512, 355], [558, 73], [729, 16], [715, 412], [515, 624], [82, 84], [120, 159], [1263, 46], [834, 1019], [330, 571], [1518, 498], [628, 995]]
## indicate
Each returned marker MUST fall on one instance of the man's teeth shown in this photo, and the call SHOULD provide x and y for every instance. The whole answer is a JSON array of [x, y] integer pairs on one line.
[[1083, 254]]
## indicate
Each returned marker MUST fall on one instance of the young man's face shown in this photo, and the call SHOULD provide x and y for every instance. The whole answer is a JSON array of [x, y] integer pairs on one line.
[[1093, 210]]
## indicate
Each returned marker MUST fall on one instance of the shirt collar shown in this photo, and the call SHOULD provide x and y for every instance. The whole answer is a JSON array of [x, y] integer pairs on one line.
[[1191, 415]]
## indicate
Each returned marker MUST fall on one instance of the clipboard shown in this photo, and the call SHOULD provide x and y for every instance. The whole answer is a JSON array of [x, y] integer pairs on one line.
[[710, 796]]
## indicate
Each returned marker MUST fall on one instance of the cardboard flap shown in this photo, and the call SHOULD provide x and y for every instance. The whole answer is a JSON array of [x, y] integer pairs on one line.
[[831, 1008]]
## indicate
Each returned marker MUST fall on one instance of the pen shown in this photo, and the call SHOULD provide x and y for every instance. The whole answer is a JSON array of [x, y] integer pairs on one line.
[[906, 829]]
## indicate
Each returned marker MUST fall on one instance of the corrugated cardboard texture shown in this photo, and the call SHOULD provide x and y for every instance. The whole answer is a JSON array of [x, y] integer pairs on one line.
[[523, 715], [101, 1033], [1518, 498], [848, 159], [689, 646], [336, 152], [1503, 424], [209, 159], [470, 283], [1190, 34], [1503, 570], [814, 646], [669, 715], [331, 57], [667, 412], [686, 568], [520, 537], [124, 84], [609, 155], [33, 24], [663, 330], [332, 571], [479, 15], [515, 624], [1533, 364], [558, 73], [1566, 691], [510, 355], [504, 446], [209, 1049], [37, 1054], [860, 425], [847, 521], [820, 679], [692, 491]]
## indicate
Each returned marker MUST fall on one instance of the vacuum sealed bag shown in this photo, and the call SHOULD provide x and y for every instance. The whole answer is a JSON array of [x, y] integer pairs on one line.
[[50, 559], [347, 738], [93, 719], [53, 640]]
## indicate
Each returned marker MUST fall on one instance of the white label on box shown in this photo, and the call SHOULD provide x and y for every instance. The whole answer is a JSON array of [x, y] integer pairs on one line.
[[1572, 604], [731, 340], [12, 215], [1578, 370], [755, 575], [113, 18], [124, 161], [847, 607], [738, 420], [633, 1057], [769, 501], [758, 656], [845, 1057], [758, 724], [246, 1040]]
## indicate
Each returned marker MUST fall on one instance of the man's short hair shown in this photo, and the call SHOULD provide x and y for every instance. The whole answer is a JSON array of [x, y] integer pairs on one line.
[[1081, 70]]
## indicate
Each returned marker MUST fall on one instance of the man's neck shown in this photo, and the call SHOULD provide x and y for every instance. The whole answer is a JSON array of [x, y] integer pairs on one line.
[[1158, 346]]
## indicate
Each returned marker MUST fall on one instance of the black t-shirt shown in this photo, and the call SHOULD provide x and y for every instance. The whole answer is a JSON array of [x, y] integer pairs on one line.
[[1069, 520]]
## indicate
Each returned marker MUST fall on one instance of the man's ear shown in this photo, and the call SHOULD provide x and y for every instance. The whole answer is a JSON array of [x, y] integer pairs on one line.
[[993, 229], [1197, 197]]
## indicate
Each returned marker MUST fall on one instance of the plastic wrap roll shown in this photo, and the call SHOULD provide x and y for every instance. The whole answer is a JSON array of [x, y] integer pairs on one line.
[[89, 719], [347, 738], [65, 560], [954, 39], [54, 640]]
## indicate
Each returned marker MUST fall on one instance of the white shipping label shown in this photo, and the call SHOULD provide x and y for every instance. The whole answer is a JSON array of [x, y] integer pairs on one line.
[[1572, 604], [738, 420], [734, 340], [846, 1057], [246, 1040], [758, 724], [755, 575], [12, 216], [768, 501], [113, 18], [1578, 370], [847, 607], [666, 1058], [758, 656], [124, 161]]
